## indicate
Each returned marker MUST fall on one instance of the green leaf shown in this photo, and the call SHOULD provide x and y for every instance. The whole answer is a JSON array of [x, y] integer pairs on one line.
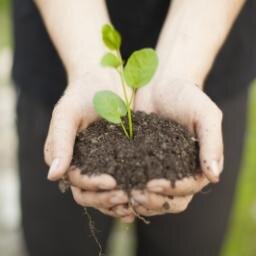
[[109, 106], [111, 37], [110, 60], [140, 68]]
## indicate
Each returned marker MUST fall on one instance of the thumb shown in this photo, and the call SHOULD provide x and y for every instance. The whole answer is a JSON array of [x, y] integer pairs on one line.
[[209, 131], [64, 125]]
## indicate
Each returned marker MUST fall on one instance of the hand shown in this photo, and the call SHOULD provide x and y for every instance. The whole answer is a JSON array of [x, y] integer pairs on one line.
[[189, 105], [95, 192], [74, 112]]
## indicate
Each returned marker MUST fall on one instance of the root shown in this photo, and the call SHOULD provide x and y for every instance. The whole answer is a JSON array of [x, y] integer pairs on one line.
[[93, 231], [64, 184], [138, 215]]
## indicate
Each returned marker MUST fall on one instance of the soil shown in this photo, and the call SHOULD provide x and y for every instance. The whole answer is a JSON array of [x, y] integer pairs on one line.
[[160, 148]]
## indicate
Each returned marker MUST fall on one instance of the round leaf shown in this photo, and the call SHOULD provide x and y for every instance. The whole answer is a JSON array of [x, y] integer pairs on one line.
[[109, 106], [140, 68], [110, 60], [111, 37]]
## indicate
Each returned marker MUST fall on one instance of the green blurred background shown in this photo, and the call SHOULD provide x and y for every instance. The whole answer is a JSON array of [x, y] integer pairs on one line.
[[241, 237]]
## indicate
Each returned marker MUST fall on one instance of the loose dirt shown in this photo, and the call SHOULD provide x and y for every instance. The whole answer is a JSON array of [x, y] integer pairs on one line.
[[161, 148]]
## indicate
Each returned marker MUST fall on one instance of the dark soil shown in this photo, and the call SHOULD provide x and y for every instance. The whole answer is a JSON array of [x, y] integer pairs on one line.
[[160, 149]]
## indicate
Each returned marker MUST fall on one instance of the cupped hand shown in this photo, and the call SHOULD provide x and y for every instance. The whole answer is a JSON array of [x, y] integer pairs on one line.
[[187, 104], [94, 191], [74, 112]]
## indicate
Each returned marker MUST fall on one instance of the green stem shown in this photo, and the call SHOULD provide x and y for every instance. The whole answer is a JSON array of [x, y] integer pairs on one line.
[[130, 123], [132, 97], [121, 73], [125, 132]]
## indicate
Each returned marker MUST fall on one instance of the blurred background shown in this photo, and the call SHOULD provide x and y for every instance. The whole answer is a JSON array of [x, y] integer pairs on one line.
[[241, 236]]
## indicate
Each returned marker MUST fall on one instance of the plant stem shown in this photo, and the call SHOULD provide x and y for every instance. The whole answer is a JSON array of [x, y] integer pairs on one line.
[[130, 122], [121, 73], [132, 97], [125, 132]]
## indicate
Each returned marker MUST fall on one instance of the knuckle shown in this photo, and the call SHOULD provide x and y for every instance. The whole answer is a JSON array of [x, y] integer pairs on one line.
[[180, 207], [63, 112], [220, 114], [183, 206], [92, 184], [217, 112], [105, 201], [91, 200], [57, 109], [179, 210], [47, 159], [98, 200], [190, 191], [46, 148], [86, 200], [61, 109], [47, 153]]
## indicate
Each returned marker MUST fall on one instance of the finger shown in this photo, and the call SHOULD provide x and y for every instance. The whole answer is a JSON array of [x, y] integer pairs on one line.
[[148, 200], [183, 187], [47, 149], [108, 212], [161, 204], [122, 210], [99, 182], [209, 132], [99, 199], [64, 125], [125, 219], [143, 211], [221, 164], [128, 219]]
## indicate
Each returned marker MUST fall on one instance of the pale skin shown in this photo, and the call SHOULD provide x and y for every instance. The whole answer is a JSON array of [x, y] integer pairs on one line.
[[192, 35]]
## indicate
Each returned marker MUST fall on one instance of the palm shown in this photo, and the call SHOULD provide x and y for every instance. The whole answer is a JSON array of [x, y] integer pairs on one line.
[[187, 104]]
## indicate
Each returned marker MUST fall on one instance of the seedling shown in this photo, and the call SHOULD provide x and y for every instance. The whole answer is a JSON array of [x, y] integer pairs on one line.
[[137, 72]]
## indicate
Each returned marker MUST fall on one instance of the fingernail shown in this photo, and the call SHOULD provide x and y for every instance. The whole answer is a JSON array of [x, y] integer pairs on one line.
[[54, 166], [140, 199], [215, 168]]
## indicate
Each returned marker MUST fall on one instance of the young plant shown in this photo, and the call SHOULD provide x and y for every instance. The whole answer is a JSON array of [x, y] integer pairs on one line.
[[137, 72]]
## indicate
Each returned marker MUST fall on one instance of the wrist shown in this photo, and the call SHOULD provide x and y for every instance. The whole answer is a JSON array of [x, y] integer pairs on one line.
[[93, 77], [86, 69], [186, 77], [178, 67], [86, 84], [167, 75], [181, 59]]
